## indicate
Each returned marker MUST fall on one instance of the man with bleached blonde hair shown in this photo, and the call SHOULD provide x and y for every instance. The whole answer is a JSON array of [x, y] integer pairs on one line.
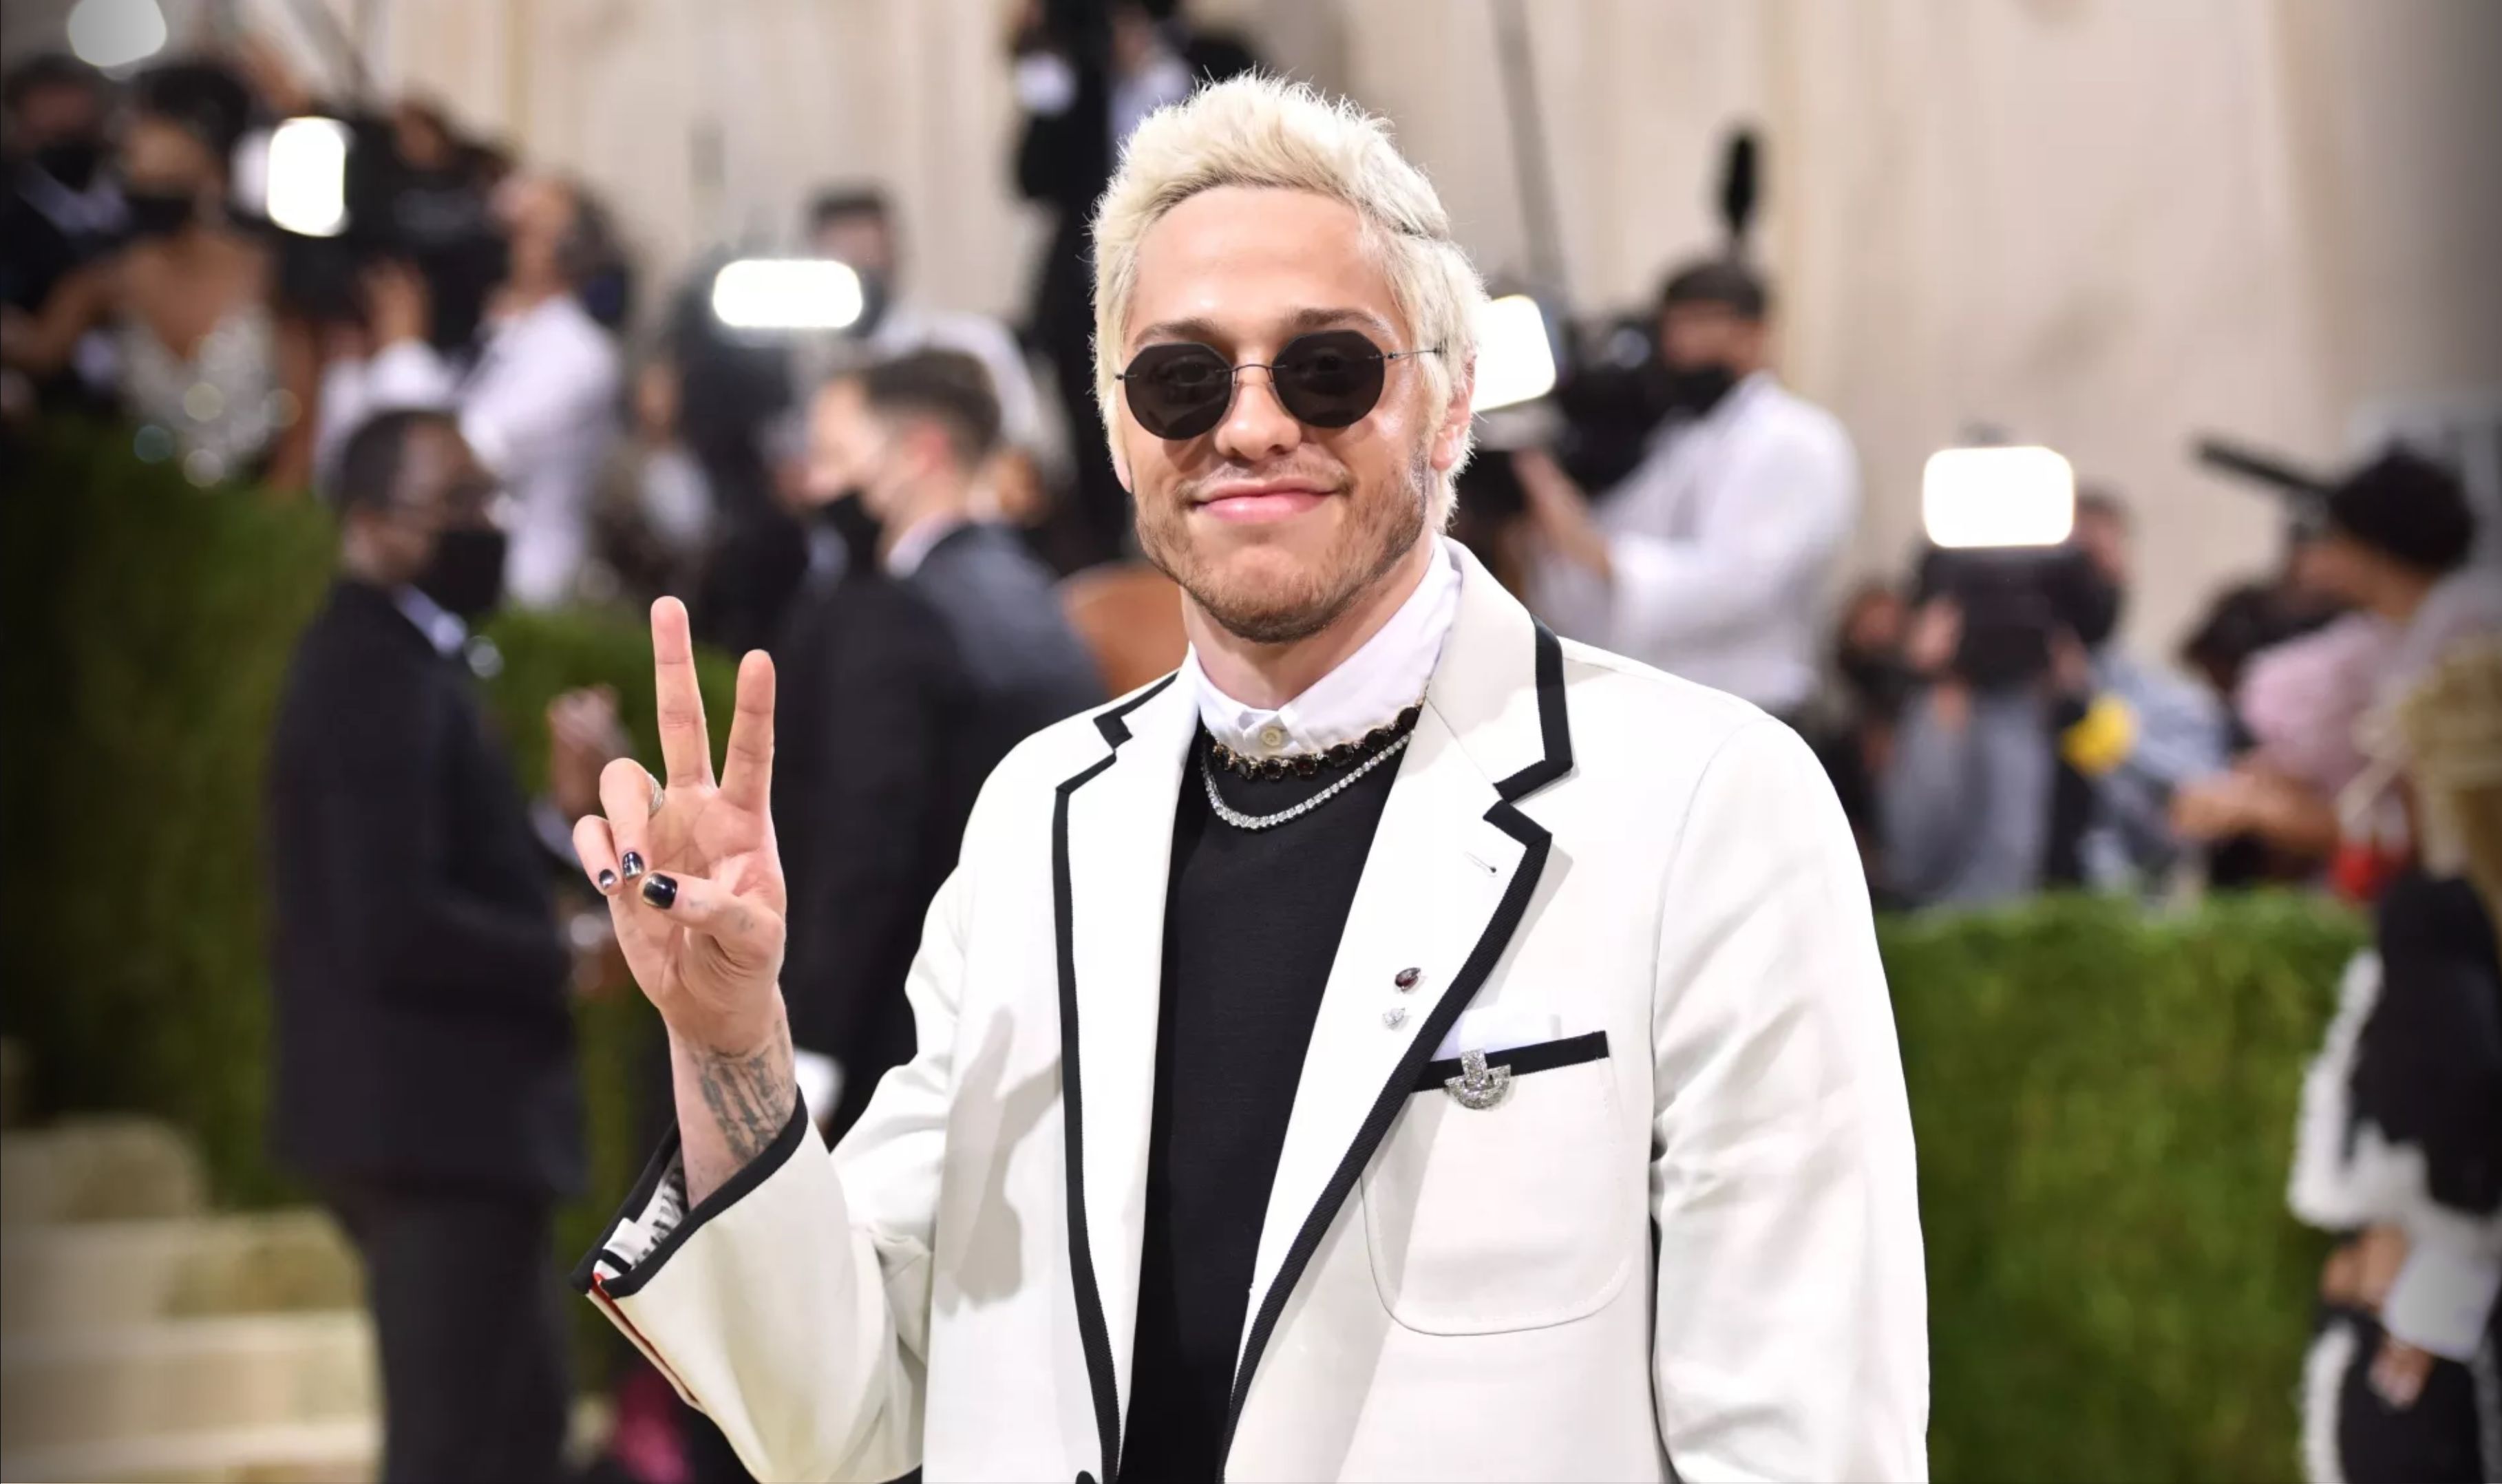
[[1396, 1045]]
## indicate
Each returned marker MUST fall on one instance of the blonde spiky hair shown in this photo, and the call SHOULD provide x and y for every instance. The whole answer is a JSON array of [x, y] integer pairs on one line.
[[1265, 131]]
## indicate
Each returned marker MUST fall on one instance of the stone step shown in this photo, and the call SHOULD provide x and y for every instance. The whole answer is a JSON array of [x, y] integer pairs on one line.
[[346, 1450], [184, 1375], [95, 1276], [99, 1168], [340, 1451]]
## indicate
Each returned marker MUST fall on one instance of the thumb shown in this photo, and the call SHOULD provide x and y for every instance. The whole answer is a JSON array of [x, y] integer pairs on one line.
[[746, 931]]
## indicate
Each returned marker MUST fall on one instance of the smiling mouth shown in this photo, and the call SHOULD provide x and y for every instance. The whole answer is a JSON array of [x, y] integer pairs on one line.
[[1257, 504]]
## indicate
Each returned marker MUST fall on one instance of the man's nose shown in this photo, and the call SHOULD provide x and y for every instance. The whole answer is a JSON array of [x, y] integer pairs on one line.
[[1256, 426]]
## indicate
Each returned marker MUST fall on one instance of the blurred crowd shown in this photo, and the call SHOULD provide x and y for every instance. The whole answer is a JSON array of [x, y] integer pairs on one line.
[[916, 514]]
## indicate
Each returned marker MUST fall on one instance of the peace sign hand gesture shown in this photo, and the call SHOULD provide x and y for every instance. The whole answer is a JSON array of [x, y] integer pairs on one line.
[[694, 882]]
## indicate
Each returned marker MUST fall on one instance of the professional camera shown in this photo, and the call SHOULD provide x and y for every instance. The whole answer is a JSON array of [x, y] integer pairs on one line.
[[1998, 520], [347, 193]]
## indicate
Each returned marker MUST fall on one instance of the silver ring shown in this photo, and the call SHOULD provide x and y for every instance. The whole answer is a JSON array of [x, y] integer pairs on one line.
[[657, 792]]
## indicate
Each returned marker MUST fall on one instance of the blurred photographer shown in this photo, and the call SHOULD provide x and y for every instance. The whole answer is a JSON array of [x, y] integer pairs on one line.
[[64, 208], [1709, 559], [203, 353], [537, 400], [2034, 751]]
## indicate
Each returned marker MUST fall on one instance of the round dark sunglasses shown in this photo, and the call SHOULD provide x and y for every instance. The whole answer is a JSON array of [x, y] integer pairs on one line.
[[1328, 379]]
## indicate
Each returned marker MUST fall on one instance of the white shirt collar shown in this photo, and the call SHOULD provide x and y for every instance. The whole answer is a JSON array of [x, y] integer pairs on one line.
[[1375, 683], [441, 627], [918, 541]]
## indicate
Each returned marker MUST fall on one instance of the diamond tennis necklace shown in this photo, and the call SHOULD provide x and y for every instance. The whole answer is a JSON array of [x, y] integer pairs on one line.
[[1241, 821]]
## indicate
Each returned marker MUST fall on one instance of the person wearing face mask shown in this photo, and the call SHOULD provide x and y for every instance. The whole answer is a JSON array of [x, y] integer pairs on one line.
[[2004, 776], [423, 1072], [1709, 559], [62, 210], [203, 355], [856, 225], [2132, 734], [930, 646], [537, 398]]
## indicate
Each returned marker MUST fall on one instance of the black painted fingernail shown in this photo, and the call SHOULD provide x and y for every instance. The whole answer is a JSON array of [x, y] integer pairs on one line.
[[633, 864], [661, 892], [608, 881]]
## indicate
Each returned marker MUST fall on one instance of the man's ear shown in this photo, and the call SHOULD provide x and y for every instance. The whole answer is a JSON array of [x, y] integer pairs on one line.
[[1452, 434]]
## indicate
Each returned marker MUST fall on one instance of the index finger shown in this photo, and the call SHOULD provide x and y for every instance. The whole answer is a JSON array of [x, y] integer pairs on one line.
[[685, 749], [746, 778]]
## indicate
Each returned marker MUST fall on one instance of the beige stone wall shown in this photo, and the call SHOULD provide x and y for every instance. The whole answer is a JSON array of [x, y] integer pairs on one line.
[[2103, 223]]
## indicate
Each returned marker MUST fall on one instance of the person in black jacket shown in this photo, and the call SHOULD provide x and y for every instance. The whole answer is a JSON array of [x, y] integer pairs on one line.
[[424, 1062], [942, 647], [60, 208]]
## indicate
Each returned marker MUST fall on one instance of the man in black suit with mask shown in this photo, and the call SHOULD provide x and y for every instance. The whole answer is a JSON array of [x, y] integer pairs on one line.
[[940, 647], [424, 1059]]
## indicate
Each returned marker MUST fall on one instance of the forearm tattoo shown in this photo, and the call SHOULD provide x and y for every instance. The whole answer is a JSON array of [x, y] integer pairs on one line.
[[750, 1096]]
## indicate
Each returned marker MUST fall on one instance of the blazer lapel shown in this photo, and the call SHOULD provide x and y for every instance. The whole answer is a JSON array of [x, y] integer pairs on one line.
[[1448, 880], [1113, 828]]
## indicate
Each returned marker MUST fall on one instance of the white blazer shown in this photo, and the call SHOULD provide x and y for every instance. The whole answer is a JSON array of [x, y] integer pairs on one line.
[[1686, 1238]]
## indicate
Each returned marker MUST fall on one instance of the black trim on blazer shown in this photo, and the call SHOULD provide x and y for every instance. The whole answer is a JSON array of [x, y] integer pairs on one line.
[[1521, 1061], [768, 1162], [1091, 1334], [1555, 732]]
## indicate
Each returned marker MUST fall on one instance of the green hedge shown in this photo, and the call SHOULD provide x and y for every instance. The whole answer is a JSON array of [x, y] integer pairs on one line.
[[2103, 1100], [2104, 1106], [149, 628]]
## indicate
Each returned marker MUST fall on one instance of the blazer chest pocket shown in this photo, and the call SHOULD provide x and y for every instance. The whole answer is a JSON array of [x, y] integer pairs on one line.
[[1509, 1215]]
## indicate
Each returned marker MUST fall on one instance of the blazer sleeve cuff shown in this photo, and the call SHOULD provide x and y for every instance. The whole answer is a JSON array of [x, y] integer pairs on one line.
[[766, 1310], [655, 1224]]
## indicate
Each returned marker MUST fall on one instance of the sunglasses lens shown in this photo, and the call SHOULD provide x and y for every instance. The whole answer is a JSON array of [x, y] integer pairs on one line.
[[1178, 390], [1330, 379]]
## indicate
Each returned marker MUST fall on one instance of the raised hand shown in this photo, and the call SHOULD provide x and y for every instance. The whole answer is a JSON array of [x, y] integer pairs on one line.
[[694, 886]]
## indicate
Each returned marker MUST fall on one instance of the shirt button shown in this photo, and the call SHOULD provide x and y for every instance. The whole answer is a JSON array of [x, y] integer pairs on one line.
[[1272, 736]]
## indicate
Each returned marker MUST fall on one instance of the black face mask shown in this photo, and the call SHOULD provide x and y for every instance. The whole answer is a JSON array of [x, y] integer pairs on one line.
[[158, 212], [1879, 682], [1695, 389], [2095, 607], [847, 515], [466, 573], [71, 161]]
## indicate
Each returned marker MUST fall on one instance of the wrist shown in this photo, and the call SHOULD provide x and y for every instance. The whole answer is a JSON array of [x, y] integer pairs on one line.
[[732, 1038]]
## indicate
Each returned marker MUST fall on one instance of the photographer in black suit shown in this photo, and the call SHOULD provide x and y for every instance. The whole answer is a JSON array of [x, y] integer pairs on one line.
[[424, 1056]]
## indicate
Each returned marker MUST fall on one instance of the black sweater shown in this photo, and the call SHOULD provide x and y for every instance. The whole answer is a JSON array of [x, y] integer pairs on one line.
[[1252, 922]]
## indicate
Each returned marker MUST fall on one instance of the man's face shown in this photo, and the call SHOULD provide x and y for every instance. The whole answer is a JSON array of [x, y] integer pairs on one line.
[[160, 156], [2103, 539], [1704, 334], [2336, 567], [859, 239], [59, 112], [844, 442], [442, 486], [1273, 527], [535, 212]]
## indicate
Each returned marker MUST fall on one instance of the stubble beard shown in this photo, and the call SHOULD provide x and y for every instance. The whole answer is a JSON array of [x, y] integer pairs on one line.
[[1385, 529]]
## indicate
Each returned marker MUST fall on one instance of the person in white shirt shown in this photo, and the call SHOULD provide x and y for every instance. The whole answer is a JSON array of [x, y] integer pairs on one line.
[[1315, 1076], [540, 400], [1711, 559]]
